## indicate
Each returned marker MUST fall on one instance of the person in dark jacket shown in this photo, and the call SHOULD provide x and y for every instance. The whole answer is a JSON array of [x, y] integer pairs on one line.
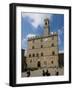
[[28, 73], [43, 73], [47, 73], [57, 73]]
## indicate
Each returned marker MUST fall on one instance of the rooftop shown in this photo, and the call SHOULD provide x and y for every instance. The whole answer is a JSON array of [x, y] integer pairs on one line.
[[40, 37]]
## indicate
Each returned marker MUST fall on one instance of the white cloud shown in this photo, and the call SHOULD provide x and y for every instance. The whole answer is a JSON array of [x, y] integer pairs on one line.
[[45, 40], [30, 36], [24, 40], [60, 33], [59, 40], [24, 43], [61, 51], [36, 19]]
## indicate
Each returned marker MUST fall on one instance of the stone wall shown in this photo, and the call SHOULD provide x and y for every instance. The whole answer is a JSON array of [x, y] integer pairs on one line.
[[39, 46]]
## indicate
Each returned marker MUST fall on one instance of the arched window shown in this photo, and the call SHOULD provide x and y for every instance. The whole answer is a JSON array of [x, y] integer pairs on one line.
[[29, 55], [41, 46], [38, 64], [41, 54], [32, 47], [52, 44], [33, 55], [45, 23], [53, 53], [52, 62]]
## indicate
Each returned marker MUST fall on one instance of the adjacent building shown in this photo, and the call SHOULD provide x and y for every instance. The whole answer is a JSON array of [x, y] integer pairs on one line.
[[24, 64]]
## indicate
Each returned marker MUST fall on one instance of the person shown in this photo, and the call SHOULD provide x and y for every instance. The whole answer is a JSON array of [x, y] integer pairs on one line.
[[43, 73], [57, 73], [47, 73], [28, 73]]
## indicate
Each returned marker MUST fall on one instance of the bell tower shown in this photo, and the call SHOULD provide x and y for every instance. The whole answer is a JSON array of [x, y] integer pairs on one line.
[[46, 27]]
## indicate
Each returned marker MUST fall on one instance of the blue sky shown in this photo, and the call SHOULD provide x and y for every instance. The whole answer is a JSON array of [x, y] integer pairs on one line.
[[32, 25]]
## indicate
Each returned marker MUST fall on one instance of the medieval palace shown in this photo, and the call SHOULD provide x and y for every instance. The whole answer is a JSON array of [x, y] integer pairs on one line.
[[42, 51]]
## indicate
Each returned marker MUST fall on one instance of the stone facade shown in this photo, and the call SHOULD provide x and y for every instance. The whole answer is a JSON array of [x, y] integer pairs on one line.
[[42, 51]]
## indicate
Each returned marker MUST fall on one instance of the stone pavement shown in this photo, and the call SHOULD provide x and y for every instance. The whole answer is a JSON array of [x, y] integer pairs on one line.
[[39, 72]]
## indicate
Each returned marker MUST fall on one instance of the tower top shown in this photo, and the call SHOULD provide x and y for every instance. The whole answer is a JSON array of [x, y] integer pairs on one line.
[[46, 27]]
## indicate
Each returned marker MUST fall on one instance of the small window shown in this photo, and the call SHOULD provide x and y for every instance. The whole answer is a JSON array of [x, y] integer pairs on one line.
[[45, 23], [52, 45], [52, 62], [33, 55], [29, 55], [32, 47], [41, 54], [53, 53], [41, 46]]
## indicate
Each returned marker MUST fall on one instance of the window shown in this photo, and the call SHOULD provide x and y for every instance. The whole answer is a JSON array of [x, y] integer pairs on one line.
[[33, 55], [45, 23], [32, 47], [29, 55], [37, 55], [52, 62], [52, 45], [53, 53], [41, 46], [41, 54], [38, 64]]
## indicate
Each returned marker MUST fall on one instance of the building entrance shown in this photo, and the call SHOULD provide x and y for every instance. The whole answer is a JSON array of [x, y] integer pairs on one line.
[[38, 64]]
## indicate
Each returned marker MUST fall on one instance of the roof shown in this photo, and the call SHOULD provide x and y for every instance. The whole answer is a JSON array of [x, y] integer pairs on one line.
[[40, 37]]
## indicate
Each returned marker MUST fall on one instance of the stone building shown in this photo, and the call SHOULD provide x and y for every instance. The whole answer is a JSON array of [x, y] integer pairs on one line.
[[23, 62], [42, 51]]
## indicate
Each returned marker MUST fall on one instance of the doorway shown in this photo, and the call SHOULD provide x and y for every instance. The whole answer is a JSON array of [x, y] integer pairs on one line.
[[38, 64]]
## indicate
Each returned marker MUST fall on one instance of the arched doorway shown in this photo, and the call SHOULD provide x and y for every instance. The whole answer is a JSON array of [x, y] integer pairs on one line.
[[38, 64]]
